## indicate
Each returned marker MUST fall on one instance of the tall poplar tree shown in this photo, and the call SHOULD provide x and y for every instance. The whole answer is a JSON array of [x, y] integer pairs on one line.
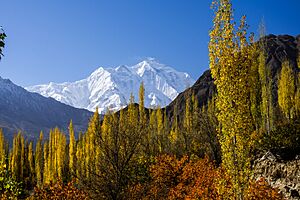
[[286, 90], [2, 148], [39, 160], [230, 62], [31, 163], [72, 151], [266, 83]]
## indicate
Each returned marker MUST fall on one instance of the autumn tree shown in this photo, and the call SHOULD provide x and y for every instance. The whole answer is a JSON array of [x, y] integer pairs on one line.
[[142, 113], [174, 132], [17, 157], [39, 160], [230, 61], [31, 167], [286, 90], [266, 84], [72, 151], [2, 149], [297, 96], [188, 131]]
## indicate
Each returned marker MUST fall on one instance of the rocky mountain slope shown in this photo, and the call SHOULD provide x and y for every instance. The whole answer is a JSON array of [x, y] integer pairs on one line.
[[278, 48], [111, 87], [31, 112]]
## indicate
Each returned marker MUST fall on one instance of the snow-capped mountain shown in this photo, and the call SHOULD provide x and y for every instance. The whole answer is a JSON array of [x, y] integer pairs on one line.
[[111, 87]]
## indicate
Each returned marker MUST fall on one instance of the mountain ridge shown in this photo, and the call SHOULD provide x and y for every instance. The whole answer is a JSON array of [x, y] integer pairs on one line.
[[31, 113], [111, 87]]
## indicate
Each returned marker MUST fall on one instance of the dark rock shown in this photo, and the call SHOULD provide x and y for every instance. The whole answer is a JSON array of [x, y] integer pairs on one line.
[[284, 175]]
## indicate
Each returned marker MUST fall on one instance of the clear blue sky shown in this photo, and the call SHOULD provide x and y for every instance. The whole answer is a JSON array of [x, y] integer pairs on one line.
[[60, 40]]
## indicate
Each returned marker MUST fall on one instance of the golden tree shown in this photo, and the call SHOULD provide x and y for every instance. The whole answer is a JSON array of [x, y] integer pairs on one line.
[[230, 61], [72, 150], [39, 160], [286, 90], [2, 148]]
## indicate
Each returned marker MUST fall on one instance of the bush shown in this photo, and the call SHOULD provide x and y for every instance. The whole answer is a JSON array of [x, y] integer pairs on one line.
[[183, 178], [59, 190], [9, 187], [284, 139]]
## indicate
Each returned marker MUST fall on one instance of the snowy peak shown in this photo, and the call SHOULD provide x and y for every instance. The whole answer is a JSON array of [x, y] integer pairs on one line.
[[110, 88]]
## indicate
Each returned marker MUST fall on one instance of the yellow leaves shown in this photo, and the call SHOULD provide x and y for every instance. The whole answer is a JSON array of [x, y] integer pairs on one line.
[[230, 67], [286, 90]]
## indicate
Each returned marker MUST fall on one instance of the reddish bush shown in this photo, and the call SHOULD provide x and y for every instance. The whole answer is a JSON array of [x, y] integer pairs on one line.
[[59, 190], [186, 179]]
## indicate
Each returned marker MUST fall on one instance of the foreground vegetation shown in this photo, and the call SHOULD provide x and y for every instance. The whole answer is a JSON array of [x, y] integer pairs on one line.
[[140, 153]]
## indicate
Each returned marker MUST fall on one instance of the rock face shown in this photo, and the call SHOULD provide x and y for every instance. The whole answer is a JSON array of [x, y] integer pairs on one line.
[[280, 173]]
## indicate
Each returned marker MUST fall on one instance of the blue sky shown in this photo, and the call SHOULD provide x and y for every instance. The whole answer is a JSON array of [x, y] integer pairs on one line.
[[66, 40]]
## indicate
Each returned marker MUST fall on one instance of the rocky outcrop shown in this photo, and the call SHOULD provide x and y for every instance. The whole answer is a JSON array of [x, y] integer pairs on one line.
[[280, 173]]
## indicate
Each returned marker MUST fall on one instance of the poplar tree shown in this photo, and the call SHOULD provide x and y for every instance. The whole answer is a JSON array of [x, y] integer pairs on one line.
[[159, 129], [142, 114], [187, 122], [46, 173], [230, 61], [297, 96], [72, 151], [286, 90], [31, 163], [174, 133], [266, 82], [39, 161], [18, 162], [2, 148]]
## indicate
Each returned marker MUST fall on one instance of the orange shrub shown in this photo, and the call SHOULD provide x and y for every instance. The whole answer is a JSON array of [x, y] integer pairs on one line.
[[173, 178], [59, 190]]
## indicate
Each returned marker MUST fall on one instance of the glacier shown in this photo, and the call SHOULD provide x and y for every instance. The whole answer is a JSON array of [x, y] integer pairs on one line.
[[110, 88]]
